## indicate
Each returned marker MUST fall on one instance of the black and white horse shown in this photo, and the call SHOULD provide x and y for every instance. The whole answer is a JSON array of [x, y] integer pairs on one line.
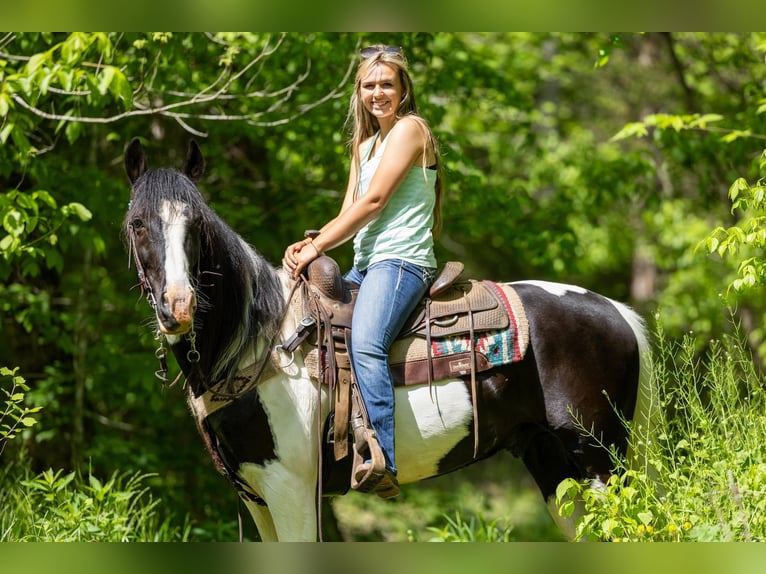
[[221, 309]]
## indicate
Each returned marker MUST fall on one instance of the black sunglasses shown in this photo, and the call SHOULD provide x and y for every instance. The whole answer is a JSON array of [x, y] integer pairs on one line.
[[372, 50]]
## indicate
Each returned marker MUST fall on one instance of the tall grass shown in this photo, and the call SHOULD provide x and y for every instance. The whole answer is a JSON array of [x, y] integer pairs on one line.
[[67, 507], [705, 472], [54, 506]]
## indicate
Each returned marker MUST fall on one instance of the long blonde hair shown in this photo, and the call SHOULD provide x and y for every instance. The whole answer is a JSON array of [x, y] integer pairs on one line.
[[364, 125]]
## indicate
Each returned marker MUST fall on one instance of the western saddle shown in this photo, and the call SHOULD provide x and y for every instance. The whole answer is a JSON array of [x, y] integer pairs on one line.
[[452, 307]]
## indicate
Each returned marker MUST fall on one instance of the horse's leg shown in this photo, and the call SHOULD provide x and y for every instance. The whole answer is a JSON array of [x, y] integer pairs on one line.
[[547, 460], [263, 521], [291, 500]]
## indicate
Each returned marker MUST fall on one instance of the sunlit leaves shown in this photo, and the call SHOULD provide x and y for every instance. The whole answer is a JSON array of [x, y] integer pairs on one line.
[[676, 123], [29, 223], [746, 239], [14, 414]]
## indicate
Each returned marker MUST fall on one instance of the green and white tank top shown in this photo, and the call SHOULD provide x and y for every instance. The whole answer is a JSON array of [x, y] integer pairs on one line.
[[403, 228]]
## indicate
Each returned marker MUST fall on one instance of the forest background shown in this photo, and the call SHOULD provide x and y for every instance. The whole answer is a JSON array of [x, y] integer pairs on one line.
[[618, 162]]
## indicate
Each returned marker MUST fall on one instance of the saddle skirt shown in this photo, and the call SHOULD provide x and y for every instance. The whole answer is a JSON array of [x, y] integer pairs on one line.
[[435, 342]]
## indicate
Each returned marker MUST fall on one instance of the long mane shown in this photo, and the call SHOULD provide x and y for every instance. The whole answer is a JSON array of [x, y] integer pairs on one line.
[[239, 292]]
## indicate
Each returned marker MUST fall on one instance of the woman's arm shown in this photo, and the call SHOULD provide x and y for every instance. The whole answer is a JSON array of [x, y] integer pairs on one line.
[[403, 150]]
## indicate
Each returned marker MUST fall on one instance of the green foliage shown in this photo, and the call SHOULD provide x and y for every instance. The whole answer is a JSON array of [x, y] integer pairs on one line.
[[676, 123], [747, 238], [15, 415], [704, 475], [54, 506], [31, 222], [475, 529]]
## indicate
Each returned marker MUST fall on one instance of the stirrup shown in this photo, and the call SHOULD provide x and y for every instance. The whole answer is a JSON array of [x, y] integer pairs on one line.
[[366, 441]]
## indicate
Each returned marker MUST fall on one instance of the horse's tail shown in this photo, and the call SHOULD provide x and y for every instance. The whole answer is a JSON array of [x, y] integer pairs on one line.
[[642, 427]]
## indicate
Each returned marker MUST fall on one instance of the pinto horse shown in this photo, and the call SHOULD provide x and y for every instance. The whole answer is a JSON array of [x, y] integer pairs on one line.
[[220, 307]]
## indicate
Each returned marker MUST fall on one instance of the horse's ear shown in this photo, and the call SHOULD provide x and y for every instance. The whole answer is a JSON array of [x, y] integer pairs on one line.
[[135, 160], [195, 163]]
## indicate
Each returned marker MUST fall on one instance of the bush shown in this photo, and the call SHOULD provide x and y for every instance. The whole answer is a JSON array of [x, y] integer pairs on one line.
[[58, 507], [15, 416], [704, 476], [53, 506]]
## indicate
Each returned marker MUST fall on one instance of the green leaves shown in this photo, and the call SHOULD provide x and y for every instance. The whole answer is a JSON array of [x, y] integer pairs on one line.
[[66, 507], [14, 415], [676, 123], [747, 238], [31, 222]]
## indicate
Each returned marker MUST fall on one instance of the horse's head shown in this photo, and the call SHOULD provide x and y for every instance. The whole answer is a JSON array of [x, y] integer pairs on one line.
[[163, 226]]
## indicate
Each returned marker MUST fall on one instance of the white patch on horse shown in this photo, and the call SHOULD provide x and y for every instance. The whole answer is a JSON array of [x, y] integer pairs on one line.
[[288, 483], [427, 429], [174, 229], [557, 289]]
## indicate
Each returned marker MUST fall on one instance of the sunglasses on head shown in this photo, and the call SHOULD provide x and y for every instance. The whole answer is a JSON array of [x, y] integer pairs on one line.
[[372, 50]]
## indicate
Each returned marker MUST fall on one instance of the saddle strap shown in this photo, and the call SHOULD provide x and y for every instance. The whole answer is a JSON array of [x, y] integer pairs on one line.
[[323, 335], [429, 353], [474, 386], [342, 405]]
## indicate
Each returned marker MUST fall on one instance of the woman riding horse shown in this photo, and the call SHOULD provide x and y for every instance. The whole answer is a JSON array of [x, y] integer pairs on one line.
[[390, 207]]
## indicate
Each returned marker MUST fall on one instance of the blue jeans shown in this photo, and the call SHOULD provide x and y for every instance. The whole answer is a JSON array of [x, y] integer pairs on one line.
[[389, 291]]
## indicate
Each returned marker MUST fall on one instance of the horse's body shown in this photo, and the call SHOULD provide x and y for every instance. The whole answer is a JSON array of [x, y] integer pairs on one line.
[[220, 307]]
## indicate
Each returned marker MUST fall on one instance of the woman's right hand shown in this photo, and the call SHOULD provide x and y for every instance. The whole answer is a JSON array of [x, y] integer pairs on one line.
[[290, 260], [296, 257]]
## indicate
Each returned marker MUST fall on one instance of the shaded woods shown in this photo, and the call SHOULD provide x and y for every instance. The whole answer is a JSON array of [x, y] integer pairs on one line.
[[607, 161]]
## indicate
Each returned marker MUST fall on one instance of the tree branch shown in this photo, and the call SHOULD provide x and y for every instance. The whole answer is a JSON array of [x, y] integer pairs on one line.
[[169, 110], [679, 69]]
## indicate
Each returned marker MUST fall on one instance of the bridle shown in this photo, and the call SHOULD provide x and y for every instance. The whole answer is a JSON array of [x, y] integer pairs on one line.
[[133, 254], [192, 355], [160, 353]]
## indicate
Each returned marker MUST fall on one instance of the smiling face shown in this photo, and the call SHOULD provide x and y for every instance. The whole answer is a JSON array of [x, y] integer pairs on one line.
[[381, 91]]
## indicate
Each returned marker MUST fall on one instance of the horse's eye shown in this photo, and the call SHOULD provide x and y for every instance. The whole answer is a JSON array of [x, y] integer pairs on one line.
[[137, 224]]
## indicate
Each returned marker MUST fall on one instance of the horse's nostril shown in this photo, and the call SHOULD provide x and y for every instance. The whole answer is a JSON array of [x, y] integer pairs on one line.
[[177, 305], [165, 307]]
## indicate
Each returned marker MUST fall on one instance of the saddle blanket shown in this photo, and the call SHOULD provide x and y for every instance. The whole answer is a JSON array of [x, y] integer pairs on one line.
[[451, 355]]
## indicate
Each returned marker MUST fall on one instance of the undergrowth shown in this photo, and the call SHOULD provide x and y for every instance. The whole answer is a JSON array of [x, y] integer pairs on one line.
[[702, 475], [54, 506], [470, 529]]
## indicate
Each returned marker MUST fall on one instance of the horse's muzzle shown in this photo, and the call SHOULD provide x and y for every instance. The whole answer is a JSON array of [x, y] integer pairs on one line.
[[176, 310]]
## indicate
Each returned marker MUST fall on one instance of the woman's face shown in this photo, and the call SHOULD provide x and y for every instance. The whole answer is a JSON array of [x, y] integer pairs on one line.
[[381, 91]]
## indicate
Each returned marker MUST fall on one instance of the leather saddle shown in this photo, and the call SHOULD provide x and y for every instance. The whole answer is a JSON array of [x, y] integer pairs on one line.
[[453, 307]]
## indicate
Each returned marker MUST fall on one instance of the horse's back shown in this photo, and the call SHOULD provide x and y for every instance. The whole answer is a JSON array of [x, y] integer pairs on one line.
[[581, 311]]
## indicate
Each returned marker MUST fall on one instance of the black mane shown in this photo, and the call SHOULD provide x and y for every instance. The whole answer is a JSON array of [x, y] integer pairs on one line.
[[240, 297]]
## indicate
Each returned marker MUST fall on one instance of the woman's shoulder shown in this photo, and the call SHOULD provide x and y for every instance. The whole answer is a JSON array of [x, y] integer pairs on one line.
[[410, 128], [412, 125]]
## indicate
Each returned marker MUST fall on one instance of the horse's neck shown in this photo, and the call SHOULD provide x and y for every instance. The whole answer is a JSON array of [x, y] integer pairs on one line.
[[227, 333]]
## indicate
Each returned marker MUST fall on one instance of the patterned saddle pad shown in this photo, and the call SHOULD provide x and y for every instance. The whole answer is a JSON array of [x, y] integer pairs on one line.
[[450, 348]]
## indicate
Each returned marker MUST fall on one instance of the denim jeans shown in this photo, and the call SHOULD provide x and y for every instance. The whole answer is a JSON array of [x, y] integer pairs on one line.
[[389, 291]]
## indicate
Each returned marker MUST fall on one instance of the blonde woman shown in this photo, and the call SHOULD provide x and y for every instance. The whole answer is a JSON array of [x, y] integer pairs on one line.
[[390, 209]]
